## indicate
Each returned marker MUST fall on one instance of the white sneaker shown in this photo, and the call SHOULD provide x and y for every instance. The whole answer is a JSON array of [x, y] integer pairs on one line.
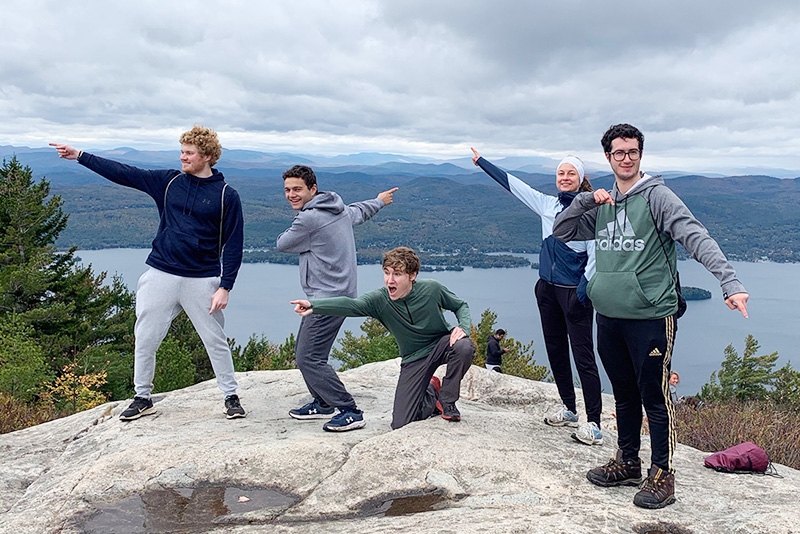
[[562, 417], [589, 433]]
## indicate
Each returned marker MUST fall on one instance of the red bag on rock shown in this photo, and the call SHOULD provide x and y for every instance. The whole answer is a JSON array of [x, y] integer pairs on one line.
[[745, 457]]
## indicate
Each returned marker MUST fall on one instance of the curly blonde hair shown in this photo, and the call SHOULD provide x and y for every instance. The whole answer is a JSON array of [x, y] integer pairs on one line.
[[402, 259], [205, 139]]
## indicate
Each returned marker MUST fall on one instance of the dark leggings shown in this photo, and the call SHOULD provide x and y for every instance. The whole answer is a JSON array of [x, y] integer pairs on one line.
[[566, 322]]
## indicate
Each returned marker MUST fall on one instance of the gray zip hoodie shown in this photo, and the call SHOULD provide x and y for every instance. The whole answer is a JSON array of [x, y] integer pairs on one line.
[[322, 234]]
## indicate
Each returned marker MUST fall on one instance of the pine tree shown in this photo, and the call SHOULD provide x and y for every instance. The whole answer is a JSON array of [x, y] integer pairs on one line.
[[744, 378], [74, 317], [518, 361]]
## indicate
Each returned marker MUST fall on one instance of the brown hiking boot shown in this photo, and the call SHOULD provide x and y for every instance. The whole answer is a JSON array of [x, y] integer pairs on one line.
[[617, 472], [658, 490]]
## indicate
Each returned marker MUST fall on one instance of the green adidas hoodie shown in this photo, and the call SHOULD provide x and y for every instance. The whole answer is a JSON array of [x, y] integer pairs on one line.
[[635, 249]]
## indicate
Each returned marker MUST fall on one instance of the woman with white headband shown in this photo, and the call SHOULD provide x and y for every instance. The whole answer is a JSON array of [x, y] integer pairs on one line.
[[566, 313]]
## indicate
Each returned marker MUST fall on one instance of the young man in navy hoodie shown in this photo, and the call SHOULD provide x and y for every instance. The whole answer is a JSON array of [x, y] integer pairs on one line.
[[322, 234], [195, 258]]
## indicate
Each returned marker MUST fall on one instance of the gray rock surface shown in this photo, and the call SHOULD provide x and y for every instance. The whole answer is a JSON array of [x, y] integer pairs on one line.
[[499, 470]]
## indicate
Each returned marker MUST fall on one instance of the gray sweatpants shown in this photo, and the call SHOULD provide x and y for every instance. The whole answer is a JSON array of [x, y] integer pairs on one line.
[[160, 297], [413, 399], [314, 341]]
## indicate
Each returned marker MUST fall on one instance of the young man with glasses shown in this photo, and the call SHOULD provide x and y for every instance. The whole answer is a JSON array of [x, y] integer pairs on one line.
[[635, 227]]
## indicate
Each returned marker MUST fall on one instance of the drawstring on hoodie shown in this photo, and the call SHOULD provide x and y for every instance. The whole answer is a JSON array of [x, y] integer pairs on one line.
[[194, 187]]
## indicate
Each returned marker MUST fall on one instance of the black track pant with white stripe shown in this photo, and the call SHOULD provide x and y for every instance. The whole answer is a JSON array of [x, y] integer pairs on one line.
[[637, 356]]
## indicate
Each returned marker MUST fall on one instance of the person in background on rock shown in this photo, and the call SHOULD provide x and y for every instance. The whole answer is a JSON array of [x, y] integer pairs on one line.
[[322, 234], [411, 310], [195, 258], [635, 228], [674, 380], [494, 353], [565, 312]]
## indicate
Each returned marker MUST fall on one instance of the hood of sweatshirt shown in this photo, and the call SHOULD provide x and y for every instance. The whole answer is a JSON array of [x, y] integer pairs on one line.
[[325, 200], [645, 182], [193, 188]]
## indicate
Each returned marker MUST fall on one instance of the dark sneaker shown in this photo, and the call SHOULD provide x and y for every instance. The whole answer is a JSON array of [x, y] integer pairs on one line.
[[233, 408], [449, 412], [312, 410], [345, 420], [657, 491], [617, 472], [139, 407]]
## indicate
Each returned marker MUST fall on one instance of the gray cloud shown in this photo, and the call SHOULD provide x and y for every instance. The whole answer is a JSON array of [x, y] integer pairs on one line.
[[712, 84]]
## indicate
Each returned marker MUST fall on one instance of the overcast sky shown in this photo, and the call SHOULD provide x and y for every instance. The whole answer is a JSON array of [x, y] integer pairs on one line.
[[712, 84]]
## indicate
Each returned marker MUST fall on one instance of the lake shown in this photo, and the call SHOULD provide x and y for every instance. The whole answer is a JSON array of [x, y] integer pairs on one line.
[[259, 304]]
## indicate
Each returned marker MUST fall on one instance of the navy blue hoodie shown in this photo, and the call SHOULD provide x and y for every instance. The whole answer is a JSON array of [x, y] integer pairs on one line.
[[194, 236]]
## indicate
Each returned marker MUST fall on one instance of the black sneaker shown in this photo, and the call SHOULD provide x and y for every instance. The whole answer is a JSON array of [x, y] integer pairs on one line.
[[233, 408], [449, 412], [617, 472], [312, 410], [139, 407], [657, 491]]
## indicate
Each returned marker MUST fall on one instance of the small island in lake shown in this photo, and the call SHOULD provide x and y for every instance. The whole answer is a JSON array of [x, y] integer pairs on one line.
[[695, 293]]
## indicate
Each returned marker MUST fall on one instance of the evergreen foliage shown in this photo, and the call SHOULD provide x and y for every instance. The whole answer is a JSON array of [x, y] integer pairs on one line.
[[518, 361], [174, 367], [261, 355], [23, 368], [376, 345], [744, 378]]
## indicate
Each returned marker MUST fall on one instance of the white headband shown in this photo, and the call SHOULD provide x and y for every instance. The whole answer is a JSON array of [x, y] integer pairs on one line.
[[575, 162]]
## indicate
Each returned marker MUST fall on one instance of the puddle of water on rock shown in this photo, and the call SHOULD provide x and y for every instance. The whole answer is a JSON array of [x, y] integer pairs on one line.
[[660, 528], [181, 510], [408, 504]]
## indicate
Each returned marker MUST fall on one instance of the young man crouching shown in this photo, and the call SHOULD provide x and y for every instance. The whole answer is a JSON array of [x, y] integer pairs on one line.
[[411, 310]]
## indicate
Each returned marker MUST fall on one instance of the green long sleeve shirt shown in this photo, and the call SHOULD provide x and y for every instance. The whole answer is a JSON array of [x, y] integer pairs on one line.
[[416, 321]]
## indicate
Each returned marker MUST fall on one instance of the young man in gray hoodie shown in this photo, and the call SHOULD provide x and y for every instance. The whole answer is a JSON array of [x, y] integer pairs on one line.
[[635, 294], [322, 234]]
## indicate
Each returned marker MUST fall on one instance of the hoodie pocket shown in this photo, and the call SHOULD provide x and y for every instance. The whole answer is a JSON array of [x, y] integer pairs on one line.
[[618, 294], [185, 250]]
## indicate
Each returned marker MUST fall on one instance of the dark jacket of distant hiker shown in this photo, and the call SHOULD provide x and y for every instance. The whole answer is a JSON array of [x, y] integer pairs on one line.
[[494, 354]]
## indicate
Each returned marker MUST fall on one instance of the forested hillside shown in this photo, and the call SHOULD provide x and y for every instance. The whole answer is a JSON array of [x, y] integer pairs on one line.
[[753, 218]]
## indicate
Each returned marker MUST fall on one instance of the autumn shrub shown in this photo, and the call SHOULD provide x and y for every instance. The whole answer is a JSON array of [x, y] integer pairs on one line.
[[717, 426], [16, 414]]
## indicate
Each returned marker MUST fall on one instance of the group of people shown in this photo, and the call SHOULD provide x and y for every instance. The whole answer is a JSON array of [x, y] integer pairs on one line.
[[609, 252]]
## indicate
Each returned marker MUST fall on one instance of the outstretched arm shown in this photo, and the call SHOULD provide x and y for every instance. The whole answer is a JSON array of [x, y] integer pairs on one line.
[[387, 197], [66, 151], [537, 201], [302, 307]]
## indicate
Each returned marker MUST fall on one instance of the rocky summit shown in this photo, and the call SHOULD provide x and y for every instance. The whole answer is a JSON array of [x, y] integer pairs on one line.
[[501, 469]]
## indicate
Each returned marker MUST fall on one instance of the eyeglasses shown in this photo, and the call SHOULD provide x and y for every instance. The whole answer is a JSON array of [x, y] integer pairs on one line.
[[634, 154]]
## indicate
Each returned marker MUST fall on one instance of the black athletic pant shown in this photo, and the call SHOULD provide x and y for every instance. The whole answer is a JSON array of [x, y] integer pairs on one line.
[[413, 399], [637, 356], [566, 322]]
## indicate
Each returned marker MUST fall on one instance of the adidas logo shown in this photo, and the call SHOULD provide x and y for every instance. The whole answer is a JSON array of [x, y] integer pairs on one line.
[[655, 352], [619, 235]]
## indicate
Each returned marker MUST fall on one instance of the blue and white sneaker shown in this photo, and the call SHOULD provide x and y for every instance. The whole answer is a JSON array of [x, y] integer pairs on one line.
[[562, 417], [345, 420], [312, 410], [589, 433]]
